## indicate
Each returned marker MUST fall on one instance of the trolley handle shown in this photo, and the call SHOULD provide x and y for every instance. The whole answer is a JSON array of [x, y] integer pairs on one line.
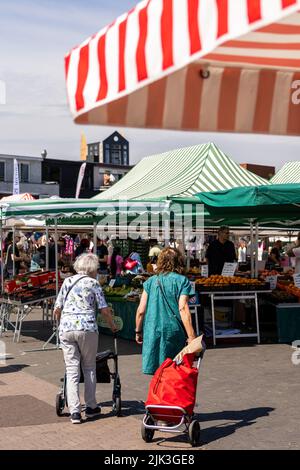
[[115, 336]]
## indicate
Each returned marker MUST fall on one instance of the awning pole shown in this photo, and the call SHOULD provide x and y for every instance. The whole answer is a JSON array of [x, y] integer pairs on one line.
[[56, 255], [256, 250], [47, 248], [95, 237], [14, 252], [251, 249], [2, 257]]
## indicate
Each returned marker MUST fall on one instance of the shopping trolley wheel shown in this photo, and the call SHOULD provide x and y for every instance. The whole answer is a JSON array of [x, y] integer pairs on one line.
[[194, 433], [117, 406], [60, 404], [147, 434]]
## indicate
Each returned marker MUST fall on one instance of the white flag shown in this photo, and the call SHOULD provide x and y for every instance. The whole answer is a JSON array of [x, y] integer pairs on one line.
[[80, 179], [16, 186]]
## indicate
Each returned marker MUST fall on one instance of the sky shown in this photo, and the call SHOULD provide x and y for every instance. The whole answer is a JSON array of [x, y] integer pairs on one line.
[[35, 35]]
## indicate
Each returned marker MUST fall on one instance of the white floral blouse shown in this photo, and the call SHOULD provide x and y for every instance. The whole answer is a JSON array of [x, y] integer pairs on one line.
[[80, 308]]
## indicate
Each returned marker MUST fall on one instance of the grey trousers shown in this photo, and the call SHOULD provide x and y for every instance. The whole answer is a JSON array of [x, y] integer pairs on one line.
[[80, 346]]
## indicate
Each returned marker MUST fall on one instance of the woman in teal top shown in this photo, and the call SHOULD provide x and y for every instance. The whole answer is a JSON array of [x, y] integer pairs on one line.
[[163, 319]]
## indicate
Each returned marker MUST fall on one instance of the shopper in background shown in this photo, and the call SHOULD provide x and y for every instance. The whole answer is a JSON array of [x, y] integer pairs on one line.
[[154, 249], [274, 258], [294, 251], [12, 255], [163, 319], [116, 263], [220, 251], [76, 307], [242, 251], [102, 253], [83, 247]]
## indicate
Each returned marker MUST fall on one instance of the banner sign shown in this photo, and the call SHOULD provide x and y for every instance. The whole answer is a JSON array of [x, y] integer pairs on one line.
[[80, 179], [16, 184]]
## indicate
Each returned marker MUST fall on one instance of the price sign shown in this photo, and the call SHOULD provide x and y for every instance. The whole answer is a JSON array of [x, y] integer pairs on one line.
[[112, 283], [204, 270], [229, 269], [273, 281], [297, 279]]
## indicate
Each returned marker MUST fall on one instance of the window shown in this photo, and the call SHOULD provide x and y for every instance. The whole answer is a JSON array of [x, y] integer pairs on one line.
[[24, 172], [2, 171], [107, 156]]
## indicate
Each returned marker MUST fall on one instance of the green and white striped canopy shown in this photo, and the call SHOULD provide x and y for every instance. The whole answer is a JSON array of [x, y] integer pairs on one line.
[[182, 173], [289, 173]]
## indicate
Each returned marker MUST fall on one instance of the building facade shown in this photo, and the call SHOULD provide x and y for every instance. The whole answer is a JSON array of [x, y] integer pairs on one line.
[[114, 150], [263, 171], [97, 177], [30, 176]]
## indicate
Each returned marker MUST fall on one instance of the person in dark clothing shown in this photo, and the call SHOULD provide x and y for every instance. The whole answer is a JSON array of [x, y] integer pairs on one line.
[[274, 257], [51, 246], [220, 251], [12, 255], [83, 247], [102, 253]]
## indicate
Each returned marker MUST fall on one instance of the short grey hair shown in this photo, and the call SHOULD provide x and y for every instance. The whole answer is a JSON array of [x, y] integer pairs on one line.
[[86, 263]]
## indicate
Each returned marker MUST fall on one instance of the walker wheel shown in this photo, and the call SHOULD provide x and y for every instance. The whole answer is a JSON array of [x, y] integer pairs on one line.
[[194, 433], [117, 406], [60, 404], [147, 434]]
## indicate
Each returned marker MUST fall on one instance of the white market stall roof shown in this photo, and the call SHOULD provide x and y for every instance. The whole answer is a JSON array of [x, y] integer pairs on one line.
[[182, 172], [146, 68], [289, 173]]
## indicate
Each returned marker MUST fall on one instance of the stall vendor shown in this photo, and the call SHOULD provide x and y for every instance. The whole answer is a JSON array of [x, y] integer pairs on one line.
[[220, 251]]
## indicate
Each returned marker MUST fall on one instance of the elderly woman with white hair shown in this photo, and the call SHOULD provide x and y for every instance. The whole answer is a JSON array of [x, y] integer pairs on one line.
[[76, 308]]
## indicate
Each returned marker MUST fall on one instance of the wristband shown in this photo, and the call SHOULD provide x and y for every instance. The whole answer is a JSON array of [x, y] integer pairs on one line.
[[137, 332]]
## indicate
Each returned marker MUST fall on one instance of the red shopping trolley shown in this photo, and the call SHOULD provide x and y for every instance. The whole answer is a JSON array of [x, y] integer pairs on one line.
[[171, 398]]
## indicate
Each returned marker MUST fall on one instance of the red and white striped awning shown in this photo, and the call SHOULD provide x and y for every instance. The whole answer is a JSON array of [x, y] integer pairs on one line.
[[146, 68], [18, 197]]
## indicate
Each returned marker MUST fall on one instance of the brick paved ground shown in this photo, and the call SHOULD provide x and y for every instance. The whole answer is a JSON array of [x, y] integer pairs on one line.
[[248, 398]]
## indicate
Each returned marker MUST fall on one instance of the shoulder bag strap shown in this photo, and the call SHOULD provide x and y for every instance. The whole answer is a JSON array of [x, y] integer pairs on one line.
[[168, 304], [73, 285]]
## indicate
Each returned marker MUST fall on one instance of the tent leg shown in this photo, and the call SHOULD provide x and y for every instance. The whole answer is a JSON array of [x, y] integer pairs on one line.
[[251, 249], [2, 258], [95, 237], [47, 248], [14, 251], [256, 251], [56, 256]]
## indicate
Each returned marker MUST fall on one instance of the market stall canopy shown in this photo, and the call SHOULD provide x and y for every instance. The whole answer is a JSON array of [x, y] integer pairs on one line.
[[18, 197], [289, 173], [88, 210], [209, 65], [182, 172], [277, 204]]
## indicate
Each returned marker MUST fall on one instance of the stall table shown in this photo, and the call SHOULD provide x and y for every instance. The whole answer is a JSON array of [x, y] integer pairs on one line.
[[288, 322], [126, 310], [22, 310], [234, 295]]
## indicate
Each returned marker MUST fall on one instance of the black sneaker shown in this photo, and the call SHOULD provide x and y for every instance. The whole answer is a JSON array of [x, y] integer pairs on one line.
[[91, 412], [76, 418]]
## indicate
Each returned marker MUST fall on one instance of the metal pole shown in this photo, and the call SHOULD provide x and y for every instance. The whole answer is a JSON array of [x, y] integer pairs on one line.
[[47, 248], [257, 319], [95, 237], [256, 250], [14, 252], [56, 255], [2, 257], [251, 248]]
